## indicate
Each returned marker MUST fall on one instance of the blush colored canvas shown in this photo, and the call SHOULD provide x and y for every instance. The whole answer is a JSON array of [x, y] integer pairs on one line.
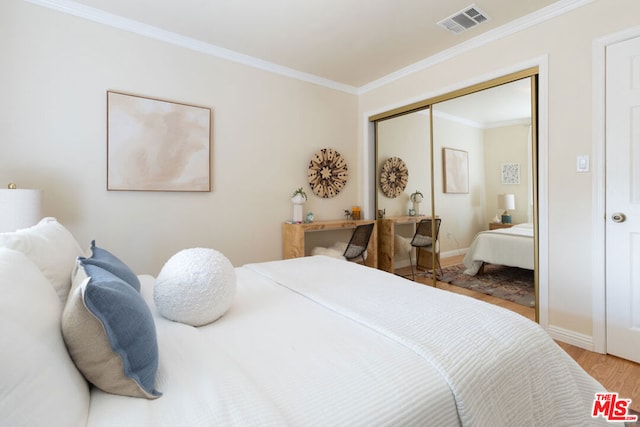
[[456, 170], [156, 145]]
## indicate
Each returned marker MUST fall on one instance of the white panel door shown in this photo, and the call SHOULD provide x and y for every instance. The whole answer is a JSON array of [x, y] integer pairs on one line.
[[623, 199]]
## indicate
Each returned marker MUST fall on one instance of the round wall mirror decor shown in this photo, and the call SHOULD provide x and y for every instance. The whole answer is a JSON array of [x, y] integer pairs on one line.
[[393, 177], [327, 173]]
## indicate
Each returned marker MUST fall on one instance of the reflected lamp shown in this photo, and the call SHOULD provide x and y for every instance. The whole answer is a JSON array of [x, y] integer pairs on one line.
[[506, 203]]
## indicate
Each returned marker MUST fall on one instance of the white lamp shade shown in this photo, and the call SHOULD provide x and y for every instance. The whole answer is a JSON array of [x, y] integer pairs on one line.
[[507, 201], [19, 208]]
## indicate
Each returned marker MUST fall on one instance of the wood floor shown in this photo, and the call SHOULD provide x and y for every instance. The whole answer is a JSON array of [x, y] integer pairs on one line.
[[615, 374]]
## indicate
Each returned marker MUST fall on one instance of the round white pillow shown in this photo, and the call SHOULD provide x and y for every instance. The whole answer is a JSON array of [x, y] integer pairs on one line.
[[195, 286]]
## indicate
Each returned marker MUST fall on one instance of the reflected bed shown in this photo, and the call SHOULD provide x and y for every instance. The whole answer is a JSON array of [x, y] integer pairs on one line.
[[505, 246]]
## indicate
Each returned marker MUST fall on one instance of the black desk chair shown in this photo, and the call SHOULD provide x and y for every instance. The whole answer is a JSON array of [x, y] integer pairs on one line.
[[356, 248], [424, 238]]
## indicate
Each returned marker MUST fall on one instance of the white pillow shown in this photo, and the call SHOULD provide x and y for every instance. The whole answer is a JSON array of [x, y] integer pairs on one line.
[[195, 286], [40, 384], [51, 247]]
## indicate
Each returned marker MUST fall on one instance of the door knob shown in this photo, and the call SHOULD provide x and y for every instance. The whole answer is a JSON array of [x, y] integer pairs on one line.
[[618, 217]]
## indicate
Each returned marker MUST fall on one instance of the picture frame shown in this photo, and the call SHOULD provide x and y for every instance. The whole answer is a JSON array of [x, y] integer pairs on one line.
[[455, 166], [157, 145], [510, 173]]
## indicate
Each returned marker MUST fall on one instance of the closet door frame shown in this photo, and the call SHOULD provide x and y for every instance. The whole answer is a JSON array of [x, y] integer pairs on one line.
[[537, 70]]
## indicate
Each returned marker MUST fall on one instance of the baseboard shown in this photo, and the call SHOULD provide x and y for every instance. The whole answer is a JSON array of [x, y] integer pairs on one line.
[[401, 263], [455, 252], [404, 262], [571, 337]]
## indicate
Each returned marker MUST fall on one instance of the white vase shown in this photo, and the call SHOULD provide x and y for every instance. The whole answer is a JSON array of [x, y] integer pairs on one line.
[[416, 208], [298, 207]]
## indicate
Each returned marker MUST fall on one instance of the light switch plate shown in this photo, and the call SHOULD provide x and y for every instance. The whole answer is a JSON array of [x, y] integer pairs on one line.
[[582, 163]]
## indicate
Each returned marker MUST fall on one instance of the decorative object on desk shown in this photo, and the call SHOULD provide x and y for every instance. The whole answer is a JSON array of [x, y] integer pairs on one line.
[[348, 214], [455, 170], [511, 173], [355, 212], [416, 198], [156, 145], [412, 212], [393, 177], [506, 202], [309, 217], [327, 173], [298, 199], [381, 213], [19, 208]]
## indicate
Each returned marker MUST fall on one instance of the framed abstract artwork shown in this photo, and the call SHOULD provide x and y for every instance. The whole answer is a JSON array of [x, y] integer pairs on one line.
[[157, 145], [511, 173], [455, 165]]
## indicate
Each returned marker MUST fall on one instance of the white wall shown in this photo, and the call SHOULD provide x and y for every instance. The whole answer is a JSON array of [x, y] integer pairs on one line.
[[406, 137], [55, 72], [507, 144], [567, 43], [462, 214]]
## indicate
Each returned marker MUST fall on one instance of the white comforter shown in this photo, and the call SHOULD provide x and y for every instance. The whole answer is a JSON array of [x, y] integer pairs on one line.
[[505, 246], [320, 341]]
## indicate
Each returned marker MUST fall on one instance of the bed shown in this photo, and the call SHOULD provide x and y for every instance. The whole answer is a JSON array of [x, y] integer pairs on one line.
[[505, 246], [306, 341]]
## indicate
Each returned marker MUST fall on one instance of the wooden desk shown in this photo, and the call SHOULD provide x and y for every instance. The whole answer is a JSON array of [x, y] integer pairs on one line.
[[386, 241], [293, 237]]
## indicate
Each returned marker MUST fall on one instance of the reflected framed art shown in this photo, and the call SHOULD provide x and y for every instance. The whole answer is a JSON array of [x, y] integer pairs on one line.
[[455, 170]]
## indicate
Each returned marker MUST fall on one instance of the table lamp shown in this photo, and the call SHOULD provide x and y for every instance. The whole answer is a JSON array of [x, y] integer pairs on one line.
[[19, 208], [506, 202]]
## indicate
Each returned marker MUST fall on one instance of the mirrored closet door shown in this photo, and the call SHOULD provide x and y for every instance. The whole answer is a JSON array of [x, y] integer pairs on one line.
[[462, 153]]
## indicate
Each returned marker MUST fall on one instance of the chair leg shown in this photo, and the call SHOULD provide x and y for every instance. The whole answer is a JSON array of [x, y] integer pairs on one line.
[[439, 266], [434, 260], [413, 275]]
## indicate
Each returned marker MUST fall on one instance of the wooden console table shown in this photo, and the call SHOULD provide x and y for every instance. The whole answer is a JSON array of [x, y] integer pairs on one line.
[[293, 236], [386, 241]]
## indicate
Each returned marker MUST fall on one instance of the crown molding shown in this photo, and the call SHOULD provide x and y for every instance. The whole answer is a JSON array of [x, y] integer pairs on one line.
[[549, 12], [115, 21]]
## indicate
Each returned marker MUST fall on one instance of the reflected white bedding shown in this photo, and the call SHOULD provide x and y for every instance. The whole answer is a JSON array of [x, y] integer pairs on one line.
[[505, 246], [321, 341]]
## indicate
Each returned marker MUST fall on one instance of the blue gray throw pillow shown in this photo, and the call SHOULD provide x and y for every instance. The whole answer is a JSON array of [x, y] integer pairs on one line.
[[110, 333], [106, 260]]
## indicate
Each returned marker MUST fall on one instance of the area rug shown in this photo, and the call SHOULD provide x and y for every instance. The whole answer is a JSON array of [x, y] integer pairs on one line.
[[509, 283]]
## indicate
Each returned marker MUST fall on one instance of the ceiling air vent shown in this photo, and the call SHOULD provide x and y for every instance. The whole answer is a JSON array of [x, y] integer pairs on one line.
[[467, 18]]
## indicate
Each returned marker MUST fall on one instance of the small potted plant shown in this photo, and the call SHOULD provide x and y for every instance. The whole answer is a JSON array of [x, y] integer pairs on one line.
[[298, 199], [298, 196]]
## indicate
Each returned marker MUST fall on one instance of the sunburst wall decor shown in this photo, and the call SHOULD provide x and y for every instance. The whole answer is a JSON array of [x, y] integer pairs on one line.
[[393, 177], [327, 173]]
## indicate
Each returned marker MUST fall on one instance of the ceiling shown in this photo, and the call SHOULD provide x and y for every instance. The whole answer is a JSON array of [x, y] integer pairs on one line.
[[350, 45], [503, 105], [350, 42]]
